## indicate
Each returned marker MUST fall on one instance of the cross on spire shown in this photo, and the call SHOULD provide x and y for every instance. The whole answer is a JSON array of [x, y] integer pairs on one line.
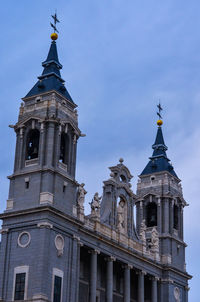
[[55, 21], [159, 110]]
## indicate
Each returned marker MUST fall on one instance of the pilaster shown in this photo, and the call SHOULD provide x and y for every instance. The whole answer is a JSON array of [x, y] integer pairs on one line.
[[4, 260], [74, 269]]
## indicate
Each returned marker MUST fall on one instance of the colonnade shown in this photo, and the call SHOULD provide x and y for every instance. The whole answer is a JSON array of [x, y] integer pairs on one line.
[[127, 281]]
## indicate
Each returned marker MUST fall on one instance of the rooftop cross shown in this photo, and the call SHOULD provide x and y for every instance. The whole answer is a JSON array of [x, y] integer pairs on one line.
[[55, 21], [159, 122], [159, 110]]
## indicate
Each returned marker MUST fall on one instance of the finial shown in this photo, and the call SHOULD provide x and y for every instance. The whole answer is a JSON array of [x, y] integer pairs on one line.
[[54, 35], [121, 160], [159, 122]]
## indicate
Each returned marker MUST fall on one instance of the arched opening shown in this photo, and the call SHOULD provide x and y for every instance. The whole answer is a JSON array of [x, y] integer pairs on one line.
[[122, 178], [64, 149], [32, 146], [176, 217], [151, 216]]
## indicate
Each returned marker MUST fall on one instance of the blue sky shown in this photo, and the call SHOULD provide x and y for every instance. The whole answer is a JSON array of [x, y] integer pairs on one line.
[[120, 57]]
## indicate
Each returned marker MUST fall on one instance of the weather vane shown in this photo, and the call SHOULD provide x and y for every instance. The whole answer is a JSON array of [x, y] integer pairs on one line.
[[55, 21], [159, 122]]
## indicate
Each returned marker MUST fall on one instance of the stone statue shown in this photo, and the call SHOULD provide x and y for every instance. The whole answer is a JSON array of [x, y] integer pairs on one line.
[[81, 195], [143, 231], [120, 215], [95, 204], [155, 239]]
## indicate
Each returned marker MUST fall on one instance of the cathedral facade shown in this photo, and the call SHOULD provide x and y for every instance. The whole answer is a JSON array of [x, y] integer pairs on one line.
[[50, 250]]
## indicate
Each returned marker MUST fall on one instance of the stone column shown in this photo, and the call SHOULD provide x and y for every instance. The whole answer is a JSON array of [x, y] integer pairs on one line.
[[141, 286], [139, 213], [154, 297], [181, 222], [93, 275], [72, 160], [186, 293], [42, 143], [166, 215], [50, 144], [127, 292], [159, 215], [21, 143], [16, 164], [171, 216], [109, 279]]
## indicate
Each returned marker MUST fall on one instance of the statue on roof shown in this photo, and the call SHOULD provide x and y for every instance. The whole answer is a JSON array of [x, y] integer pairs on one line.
[[95, 205], [81, 195]]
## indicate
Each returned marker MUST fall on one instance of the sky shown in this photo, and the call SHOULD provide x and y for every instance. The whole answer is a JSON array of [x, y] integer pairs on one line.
[[119, 57]]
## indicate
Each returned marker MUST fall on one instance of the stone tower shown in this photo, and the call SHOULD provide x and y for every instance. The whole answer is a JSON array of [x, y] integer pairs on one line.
[[42, 185], [160, 207], [47, 132]]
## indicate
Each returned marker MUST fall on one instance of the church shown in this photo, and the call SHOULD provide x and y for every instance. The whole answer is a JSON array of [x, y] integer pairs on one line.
[[50, 250]]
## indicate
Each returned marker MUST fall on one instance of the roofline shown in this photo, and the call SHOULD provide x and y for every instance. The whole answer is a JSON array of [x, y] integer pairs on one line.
[[157, 173], [48, 92]]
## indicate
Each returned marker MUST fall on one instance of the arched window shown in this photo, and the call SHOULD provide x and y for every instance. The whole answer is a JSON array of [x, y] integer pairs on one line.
[[176, 217], [64, 149], [151, 214], [32, 146]]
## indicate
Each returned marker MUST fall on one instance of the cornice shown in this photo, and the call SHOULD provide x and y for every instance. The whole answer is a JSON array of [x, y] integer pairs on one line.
[[81, 229]]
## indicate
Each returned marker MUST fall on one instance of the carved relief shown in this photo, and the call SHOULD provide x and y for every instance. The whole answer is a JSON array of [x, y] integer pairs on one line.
[[59, 243], [177, 294]]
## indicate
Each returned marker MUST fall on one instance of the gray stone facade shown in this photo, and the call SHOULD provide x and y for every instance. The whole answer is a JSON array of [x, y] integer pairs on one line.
[[105, 256]]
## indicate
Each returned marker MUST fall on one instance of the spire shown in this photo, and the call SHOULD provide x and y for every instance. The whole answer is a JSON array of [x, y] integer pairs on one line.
[[159, 161], [51, 77], [52, 64]]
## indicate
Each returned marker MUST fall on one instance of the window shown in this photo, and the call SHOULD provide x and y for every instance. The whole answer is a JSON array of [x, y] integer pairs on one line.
[[32, 146], [20, 286], [151, 214], [64, 186], [176, 217], [64, 149], [20, 283], [57, 285], [57, 289], [27, 184]]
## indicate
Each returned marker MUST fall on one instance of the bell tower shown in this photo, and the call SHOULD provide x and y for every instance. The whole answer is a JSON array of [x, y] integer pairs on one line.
[[160, 206], [38, 251], [47, 133]]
